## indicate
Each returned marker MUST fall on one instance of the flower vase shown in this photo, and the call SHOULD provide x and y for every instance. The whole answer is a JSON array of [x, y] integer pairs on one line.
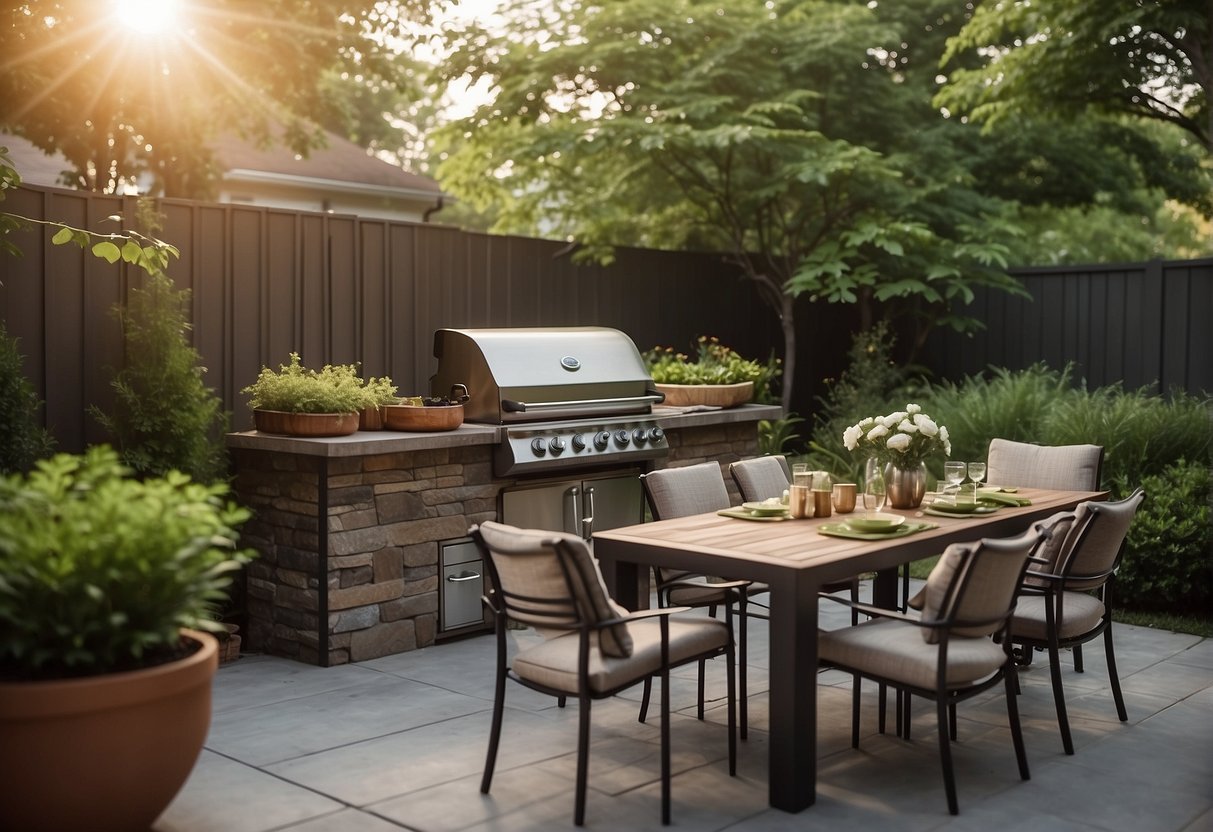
[[905, 486]]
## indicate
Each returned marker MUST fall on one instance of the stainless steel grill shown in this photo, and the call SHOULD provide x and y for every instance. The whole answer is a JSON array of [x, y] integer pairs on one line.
[[565, 397]]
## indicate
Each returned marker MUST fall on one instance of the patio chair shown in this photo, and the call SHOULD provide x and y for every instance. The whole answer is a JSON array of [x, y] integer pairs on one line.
[[679, 492], [768, 476], [591, 648], [950, 654], [1067, 601], [1064, 467]]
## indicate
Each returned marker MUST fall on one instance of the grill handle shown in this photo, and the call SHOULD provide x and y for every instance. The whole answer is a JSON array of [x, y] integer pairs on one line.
[[513, 406], [465, 575]]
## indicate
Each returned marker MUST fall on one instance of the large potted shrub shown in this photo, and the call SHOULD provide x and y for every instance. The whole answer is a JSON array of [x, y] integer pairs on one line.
[[298, 401], [718, 376], [107, 586]]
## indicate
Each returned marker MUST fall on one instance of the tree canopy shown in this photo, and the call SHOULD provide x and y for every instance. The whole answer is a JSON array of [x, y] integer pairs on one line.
[[1149, 58], [118, 103], [796, 136]]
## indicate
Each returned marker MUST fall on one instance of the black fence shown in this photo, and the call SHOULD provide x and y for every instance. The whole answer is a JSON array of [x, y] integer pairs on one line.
[[341, 289]]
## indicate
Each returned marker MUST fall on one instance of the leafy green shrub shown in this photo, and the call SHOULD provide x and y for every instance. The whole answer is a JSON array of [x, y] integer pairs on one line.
[[98, 571], [1167, 563], [164, 417], [775, 434], [871, 384], [25, 440], [1141, 433], [381, 391], [1010, 405], [714, 364], [296, 389]]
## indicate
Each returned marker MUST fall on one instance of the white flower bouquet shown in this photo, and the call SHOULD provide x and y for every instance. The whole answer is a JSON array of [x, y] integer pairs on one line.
[[904, 438]]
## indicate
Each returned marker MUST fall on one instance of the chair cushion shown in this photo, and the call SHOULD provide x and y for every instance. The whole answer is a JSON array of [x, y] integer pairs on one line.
[[693, 489], [895, 650], [1081, 614], [760, 478], [934, 594], [1097, 550], [1060, 526], [553, 662], [1064, 467], [527, 563]]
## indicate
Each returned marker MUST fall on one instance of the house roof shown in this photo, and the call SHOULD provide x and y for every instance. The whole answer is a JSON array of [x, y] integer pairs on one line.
[[341, 161]]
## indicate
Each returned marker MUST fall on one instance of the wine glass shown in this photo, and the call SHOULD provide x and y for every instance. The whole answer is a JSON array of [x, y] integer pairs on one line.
[[954, 475], [874, 491], [977, 473]]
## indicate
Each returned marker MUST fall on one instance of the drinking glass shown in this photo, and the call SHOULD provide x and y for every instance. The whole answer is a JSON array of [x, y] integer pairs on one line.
[[874, 491], [954, 475], [977, 473], [801, 475]]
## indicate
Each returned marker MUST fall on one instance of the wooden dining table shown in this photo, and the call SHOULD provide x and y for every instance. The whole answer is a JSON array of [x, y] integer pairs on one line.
[[795, 560]]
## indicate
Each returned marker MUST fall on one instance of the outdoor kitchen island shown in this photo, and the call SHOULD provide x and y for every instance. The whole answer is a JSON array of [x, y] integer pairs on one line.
[[360, 536]]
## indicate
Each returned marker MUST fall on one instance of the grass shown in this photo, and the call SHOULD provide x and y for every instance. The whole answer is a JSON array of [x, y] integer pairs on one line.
[[1177, 623]]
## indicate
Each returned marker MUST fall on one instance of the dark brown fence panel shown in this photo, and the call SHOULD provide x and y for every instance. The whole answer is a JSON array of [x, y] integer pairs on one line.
[[341, 289], [1139, 324]]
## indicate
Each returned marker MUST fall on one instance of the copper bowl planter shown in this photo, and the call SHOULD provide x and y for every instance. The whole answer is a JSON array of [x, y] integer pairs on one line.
[[305, 424], [414, 418]]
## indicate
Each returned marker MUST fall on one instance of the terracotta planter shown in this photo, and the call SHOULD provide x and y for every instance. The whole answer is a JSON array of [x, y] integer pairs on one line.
[[305, 424], [103, 753], [411, 417], [370, 418], [717, 395]]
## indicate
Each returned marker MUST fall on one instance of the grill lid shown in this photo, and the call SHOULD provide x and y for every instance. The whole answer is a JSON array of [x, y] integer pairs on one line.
[[530, 373]]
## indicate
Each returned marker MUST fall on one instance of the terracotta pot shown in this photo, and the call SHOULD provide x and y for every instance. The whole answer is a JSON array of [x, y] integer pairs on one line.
[[104, 753], [718, 395], [370, 418], [305, 424], [411, 417]]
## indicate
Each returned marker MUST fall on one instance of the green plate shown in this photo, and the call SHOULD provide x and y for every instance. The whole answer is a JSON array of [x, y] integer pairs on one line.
[[876, 522], [842, 530], [979, 510], [765, 508], [954, 508], [742, 514]]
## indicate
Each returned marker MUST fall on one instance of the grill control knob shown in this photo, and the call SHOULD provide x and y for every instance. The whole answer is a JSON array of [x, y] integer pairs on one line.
[[640, 436], [656, 434], [538, 447], [556, 445], [578, 442], [622, 438], [602, 439]]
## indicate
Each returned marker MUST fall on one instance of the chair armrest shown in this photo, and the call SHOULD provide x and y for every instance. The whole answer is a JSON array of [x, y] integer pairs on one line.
[[874, 611], [638, 614]]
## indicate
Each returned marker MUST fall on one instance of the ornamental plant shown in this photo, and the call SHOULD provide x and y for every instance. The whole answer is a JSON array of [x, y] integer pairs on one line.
[[99, 571], [904, 438], [296, 389], [381, 391], [714, 364]]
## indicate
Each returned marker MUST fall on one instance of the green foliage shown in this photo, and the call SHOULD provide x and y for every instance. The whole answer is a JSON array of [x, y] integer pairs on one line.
[[774, 435], [714, 363], [381, 391], [1010, 405], [25, 440], [1070, 58], [98, 570], [296, 389], [164, 417], [1168, 559], [1141, 433]]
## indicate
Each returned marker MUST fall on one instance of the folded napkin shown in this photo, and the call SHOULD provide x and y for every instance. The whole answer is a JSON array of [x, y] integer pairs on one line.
[[1003, 498]]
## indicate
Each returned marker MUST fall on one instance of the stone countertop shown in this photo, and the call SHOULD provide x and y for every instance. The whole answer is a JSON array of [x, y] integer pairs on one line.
[[364, 443]]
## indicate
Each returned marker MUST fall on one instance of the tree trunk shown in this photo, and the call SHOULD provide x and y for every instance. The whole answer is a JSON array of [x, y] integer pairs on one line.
[[787, 322]]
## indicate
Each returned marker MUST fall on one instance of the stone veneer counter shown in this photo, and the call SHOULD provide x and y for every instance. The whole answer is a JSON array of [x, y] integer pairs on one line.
[[348, 528]]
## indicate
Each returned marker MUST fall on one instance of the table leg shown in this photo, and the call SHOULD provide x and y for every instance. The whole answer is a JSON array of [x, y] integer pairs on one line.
[[622, 578], [793, 697], [884, 589]]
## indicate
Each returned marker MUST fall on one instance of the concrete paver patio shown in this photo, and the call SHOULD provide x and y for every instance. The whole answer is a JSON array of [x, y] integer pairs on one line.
[[399, 743]]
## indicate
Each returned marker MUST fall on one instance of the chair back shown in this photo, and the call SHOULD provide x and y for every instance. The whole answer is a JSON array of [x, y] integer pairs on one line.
[[972, 588], [761, 477], [1096, 542], [1064, 467], [550, 581], [678, 492]]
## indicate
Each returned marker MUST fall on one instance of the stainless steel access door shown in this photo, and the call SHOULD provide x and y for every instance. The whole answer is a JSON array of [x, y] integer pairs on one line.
[[578, 507]]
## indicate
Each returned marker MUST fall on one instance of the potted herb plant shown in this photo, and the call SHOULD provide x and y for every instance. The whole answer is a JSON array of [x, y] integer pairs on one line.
[[382, 393], [297, 401], [718, 376], [107, 586]]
